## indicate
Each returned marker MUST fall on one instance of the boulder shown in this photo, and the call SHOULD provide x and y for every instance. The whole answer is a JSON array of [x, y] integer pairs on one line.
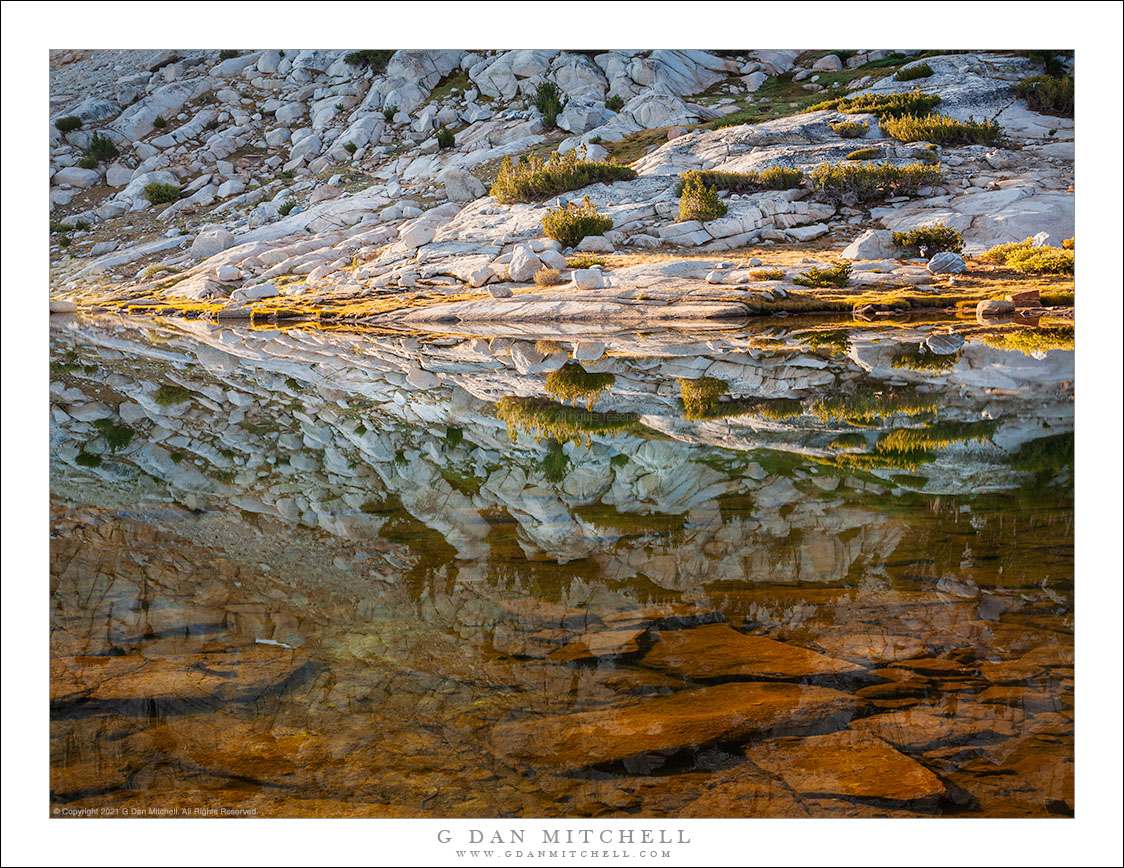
[[828, 63], [595, 244], [462, 186], [946, 262], [523, 264], [589, 278], [211, 242], [872, 244], [994, 307], [944, 344]]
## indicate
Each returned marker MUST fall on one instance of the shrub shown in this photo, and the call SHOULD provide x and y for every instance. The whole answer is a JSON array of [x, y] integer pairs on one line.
[[212, 124], [942, 130], [547, 277], [229, 53], [870, 182], [698, 201], [445, 138], [882, 105], [572, 383], [700, 397], [81, 225], [543, 418], [375, 59], [1068, 243], [867, 406], [351, 147], [168, 395], [64, 241], [909, 73], [850, 129], [548, 100], [1052, 59], [935, 239], [160, 194], [68, 124], [88, 162], [615, 103], [286, 209], [102, 148], [767, 274], [838, 274], [568, 225], [389, 111], [85, 459], [534, 179], [159, 122], [1025, 257], [585, 260], [773, 178], [865, 154], [117, 436], [936, 436], [56, 226], [1046, 94], [914, 357], [1034, 340], [555, 463]]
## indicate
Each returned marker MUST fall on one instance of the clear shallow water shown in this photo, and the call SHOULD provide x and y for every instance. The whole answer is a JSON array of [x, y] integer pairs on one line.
[[311, 573]]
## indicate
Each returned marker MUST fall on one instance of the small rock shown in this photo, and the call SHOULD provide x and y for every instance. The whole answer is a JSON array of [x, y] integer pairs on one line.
[[499, 290], [595, 244], [994, 307]]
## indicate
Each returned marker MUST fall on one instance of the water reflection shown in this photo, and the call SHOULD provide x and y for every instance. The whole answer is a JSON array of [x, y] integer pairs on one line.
[[333, 573]]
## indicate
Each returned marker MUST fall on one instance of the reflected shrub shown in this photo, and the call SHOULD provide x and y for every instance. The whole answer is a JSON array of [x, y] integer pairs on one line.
[[573, 384]]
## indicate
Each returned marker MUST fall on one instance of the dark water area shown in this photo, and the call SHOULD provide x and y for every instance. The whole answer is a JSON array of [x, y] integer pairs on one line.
[[333, 573]]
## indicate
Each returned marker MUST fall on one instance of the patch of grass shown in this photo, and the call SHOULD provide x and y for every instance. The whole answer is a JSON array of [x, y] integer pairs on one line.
[[160, 194], [466, 484], [573, 384], [767, 274], [838, 275], [585, 260], [547, 277], [117, 436], [534, 179], [700, 396], [942, 130], [170, 395], [555, 463], [374, 59], [935, 238], [542, 418], [836, 340], [909, 73], [852, 440], [68, 124], [547, 347], [865, 154], [850, 129], [870, 182], [1034, 340], [446, 138], [698, 201], [1047, 94], [914, 357], [882, 105], [1024, 257], [571, 223], [868, 405], [773, 178]]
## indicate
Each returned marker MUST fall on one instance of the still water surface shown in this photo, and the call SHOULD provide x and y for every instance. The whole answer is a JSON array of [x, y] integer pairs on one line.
[[317, 573]]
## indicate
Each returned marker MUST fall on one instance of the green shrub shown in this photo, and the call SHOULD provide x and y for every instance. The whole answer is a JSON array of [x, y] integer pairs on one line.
[[865, 154], [615, 103], [698, 201], [936, 436], [81, 225], [88, 162], [595, 140], [767, 274], [773, 178], [56, 226], [942, 130], [1047, 94], [534, 179], [375, 59], [700, 397], [1023, 256], [101, 148], [64, 241], [871, 182], [160, 194], [389, 111], [849, 441], [547, 276], [229, 53], [542, 418], [568, 225], [583, 260], [548, 100], [286, 209], [170, 395], [909, 73], [838, 274], [351, 147], [212, 124], [881, 105], [1048, 455], [85, 459], [935, 238], [68, 124], [914, 357], [555, 463], [117, 436], [866, 405], [445, 138], [1052, 59], [836, 340], [850, 129], [572, 383], [159, 122]]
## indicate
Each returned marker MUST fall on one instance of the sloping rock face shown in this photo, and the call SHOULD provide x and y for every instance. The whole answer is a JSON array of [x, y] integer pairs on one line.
[[688, 719]]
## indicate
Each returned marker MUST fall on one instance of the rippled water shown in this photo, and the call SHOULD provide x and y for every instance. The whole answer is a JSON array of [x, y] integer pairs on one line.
[[314, 572]]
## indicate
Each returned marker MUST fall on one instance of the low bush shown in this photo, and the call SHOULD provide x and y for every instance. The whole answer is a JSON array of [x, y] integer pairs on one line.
[[1068, 243], [101, 148], [698, 201], [915, 357], [870, 182], [838, 274], [534, 179], [161, 194], [909, 73], [170, 395], [773, 178], [882, 105], [445, 138], [88, 162], [936, 238], [351, 147], [866, 406], [542, 418], [767, 274], [938, 435], [1023, 256], [389, 111], [229, 53], [572, 384], [865, 154], [57, 226], [615, 103], [850, 129], [81, 225], [64, 241], [159, 122], [585, 260], [700, 396], [569, 224], [212, 124], [286, 209], [375, 59], [942, 130], [1047, 94], [547, 277], [548, 100], [68, 124]]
